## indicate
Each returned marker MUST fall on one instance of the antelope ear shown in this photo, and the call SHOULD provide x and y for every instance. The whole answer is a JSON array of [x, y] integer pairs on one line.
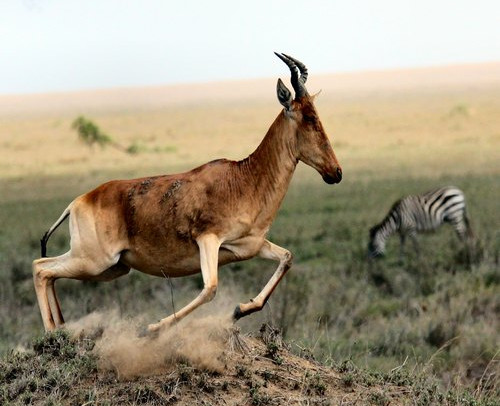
[[284, 95]]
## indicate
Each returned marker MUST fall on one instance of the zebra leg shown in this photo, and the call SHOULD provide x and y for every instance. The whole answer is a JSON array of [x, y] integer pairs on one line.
[[414, 240], [463, 230], [470, 241], [459, 226], [402, 239]]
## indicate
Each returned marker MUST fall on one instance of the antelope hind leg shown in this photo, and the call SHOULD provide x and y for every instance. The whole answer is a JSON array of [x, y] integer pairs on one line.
[[55, 307], [40, 283], [47, 270]]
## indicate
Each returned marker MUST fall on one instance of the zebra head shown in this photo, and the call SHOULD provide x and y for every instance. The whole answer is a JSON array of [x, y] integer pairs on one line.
[[376, 245]]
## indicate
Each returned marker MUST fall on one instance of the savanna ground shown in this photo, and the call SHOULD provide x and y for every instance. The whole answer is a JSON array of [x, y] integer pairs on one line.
[[432, 317]]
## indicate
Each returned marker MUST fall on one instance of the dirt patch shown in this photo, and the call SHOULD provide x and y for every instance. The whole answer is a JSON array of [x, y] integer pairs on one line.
[[123, 347], [205, 360]]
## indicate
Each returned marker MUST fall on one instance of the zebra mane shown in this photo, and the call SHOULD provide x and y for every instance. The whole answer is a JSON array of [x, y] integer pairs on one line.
[[374, 229], [387, 226]]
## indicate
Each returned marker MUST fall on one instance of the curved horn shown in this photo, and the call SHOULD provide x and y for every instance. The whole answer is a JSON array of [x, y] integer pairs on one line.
[[298, 84], [301, 66]]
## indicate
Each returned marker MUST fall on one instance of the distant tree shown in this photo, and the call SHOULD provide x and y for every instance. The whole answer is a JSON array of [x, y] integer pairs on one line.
[[90, 133]]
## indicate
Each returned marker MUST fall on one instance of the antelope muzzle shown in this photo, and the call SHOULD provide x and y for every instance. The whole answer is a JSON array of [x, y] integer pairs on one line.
[[334, 177]]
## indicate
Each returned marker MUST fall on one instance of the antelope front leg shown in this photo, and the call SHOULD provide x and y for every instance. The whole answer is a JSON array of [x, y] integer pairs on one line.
[[268, 251], [209, 253]]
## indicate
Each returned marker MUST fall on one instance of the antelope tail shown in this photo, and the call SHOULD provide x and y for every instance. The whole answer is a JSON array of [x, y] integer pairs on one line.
[[46, 236]]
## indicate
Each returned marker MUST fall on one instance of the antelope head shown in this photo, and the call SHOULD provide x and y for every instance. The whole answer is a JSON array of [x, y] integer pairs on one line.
[[312, 144]]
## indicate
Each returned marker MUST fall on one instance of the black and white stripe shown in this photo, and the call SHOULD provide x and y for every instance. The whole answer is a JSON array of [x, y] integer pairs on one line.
[[413, 214]]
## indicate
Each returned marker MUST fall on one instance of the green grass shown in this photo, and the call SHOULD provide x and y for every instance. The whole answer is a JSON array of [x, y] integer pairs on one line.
[[434, 311], [47, 373]]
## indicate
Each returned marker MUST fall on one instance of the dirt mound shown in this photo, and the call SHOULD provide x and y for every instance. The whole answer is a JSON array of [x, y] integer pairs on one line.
[[181, 368]]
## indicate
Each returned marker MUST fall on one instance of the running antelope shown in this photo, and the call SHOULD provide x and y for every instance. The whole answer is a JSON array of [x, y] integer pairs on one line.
[[182, 224]]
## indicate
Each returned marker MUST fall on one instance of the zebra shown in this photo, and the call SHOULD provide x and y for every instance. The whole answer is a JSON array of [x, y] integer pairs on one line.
[[426, 212]]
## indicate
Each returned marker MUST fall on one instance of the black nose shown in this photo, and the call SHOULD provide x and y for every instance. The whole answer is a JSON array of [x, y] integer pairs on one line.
[[333, 179]]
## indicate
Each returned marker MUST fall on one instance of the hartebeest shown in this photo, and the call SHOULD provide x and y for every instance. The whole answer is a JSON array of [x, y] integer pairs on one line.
[[177, 225]]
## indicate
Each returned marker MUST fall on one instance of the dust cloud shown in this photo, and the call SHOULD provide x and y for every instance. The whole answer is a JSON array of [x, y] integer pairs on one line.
[[199, 341]]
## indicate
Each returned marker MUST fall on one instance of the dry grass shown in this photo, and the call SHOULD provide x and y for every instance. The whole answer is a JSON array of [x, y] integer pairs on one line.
[[414, 122]]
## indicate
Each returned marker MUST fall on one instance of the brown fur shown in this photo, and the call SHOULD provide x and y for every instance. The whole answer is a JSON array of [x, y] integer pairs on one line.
[[176, 225]]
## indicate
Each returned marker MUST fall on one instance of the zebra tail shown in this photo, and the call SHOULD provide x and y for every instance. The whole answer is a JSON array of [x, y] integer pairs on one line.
[[469, 233]]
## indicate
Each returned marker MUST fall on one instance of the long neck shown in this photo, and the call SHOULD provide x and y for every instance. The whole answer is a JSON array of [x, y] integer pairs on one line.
[[386, 228], [269, 169]]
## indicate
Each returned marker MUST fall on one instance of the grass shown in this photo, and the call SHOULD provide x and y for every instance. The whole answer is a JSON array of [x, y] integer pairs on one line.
[[58, 369], [433, 315], [433, 310], [48, 372]]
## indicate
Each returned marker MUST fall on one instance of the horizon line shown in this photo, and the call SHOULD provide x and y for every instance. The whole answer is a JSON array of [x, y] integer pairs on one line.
[[91, 89]]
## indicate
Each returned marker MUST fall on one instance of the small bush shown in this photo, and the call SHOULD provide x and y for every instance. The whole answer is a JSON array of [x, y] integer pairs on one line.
[[89, 133]]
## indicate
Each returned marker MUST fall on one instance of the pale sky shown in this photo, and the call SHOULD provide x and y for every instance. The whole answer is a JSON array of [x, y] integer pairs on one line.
[[60, 45]]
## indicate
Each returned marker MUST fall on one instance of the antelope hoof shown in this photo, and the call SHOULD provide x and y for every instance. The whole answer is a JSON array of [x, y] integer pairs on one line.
[[154, 328], [146, 333], [163, 323], [237, 314]]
